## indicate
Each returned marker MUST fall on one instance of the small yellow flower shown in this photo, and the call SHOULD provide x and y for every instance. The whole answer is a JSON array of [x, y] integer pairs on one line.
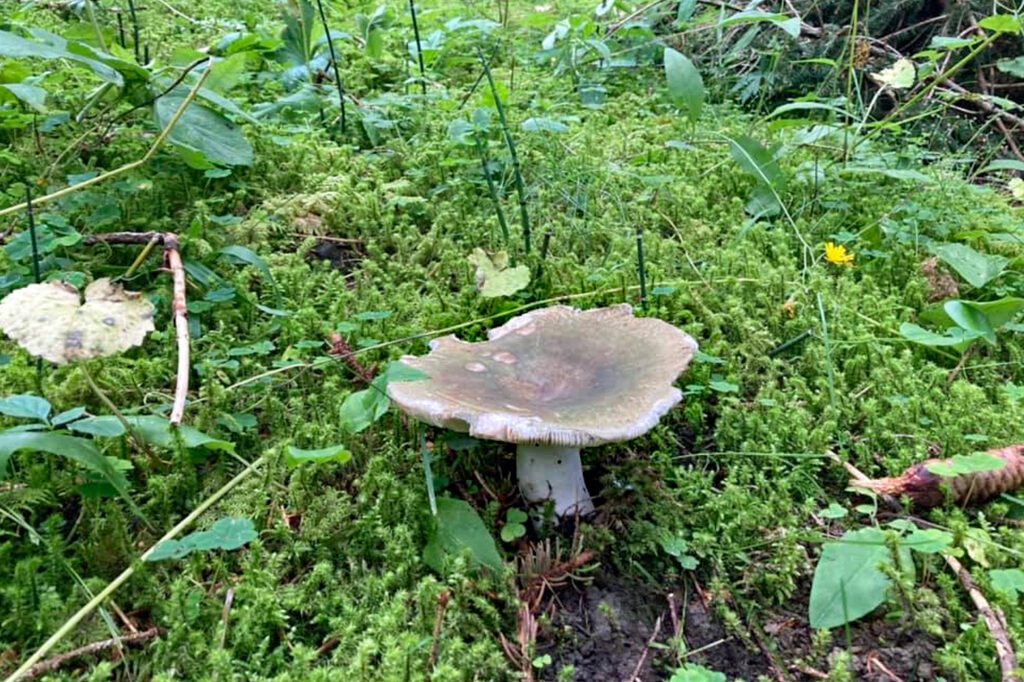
[[836, 254]]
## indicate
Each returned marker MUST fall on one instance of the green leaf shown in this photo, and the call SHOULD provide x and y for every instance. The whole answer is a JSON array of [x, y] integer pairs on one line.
[[899, 76], [363, 408], [68, 416], [510, 532], [833, 511], [335, 453], [1007, 581], [961, 465], [927, 541], [78, 450], [999, 313], [544, 125], [1001, 23], [50, 46], [26, 407], [691, 672], [847, 581], [227, 534], [977, 268], [31, 95], [756, 160], [1004, 164], [919, 335], [98, 426], [203, 131], [398, 371], [970, 318], [460, 528], [685, 85]]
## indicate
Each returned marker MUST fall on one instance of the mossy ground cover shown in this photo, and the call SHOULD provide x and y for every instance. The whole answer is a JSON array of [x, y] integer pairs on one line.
[[367, 236]]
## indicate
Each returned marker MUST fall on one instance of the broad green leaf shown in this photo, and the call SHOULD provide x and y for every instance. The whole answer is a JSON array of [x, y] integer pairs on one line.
[[1003, 164], [952, 337], [691, 672], [26, 407], [906, 174], [544, 125], [493, 278], [1001, 23], [791, 25], [848, 582], [685, 85], [399, 371], [965, 465], [32, 96], [756, 160], [1014, 67], [363, 408], [971, 318], [78, 450], [203, 131], [927, 541], [98, 426], [335, 453], [999, 312], [50, 46], [460, 528], [977, 268], [68, 416], [1007, 581], [833, 511], [227, 534]]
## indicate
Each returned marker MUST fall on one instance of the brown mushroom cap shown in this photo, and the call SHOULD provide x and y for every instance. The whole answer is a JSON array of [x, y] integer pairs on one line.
[[555, 376]]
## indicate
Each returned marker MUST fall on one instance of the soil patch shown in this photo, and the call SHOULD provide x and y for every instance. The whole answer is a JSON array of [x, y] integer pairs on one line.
[[603, 629]]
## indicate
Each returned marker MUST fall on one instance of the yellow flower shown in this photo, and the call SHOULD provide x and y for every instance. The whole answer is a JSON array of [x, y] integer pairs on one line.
[[836, 254]]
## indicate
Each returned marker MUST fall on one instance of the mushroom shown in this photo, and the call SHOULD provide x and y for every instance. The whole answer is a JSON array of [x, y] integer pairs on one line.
[[552, 381]]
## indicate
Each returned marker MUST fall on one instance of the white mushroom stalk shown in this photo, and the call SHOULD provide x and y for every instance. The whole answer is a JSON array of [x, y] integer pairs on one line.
[[552, 381]]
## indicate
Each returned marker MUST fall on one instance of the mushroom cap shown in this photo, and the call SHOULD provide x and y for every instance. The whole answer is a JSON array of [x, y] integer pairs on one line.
[[555, 376]]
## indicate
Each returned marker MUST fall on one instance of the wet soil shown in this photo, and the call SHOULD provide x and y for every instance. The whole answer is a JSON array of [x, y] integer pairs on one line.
[[602, 630]]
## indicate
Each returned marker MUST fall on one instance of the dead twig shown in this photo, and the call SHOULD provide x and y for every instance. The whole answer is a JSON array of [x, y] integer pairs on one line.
[[55, 663], [435, 649], [874, 662], [635, 677], [535, 588], [179, 305]]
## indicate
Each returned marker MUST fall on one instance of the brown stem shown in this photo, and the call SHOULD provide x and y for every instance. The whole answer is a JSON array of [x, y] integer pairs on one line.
[[181, 326], [994, 619], [55, 663], [435, 649], [635, 677], [179, 304]]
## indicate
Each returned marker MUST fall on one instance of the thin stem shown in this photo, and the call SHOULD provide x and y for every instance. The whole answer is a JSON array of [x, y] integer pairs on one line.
[[141, 258], [93, 603], [334, 63], [32, 232], [135, 28], [492, 190], [91, 13], [828, 354], [157, 144], [419, 47], [641, 269], [524, 217], [105, 399]]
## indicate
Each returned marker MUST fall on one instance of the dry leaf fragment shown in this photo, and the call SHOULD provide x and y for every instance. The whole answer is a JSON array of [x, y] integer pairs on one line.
[[50, 321]]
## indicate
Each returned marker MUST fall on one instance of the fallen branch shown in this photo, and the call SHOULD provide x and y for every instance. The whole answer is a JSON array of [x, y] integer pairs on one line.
[[179, 305], [994, 619], [57, 662]]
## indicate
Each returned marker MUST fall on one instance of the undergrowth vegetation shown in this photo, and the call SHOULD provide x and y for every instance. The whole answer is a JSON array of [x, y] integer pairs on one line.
[[855, 289]]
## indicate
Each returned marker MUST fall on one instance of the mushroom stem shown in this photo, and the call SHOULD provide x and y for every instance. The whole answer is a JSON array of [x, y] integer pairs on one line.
[[551, 472]]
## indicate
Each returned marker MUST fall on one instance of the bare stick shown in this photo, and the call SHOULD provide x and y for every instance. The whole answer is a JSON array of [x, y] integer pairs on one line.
[[57, 662], [635, 677], [180, 324], [994, 619], [435, 649], [157, 144]]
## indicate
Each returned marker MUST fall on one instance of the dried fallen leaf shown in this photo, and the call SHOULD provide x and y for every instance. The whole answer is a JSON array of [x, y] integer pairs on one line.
[[50, 321]]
